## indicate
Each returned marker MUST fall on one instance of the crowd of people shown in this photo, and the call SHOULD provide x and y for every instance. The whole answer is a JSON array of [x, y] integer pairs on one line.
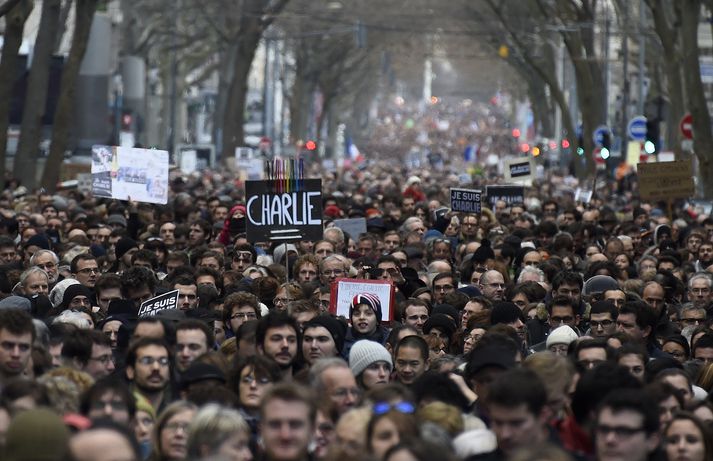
[[549, 329]]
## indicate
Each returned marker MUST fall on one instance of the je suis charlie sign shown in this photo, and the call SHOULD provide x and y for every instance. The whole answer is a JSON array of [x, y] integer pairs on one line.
[[284, 207]]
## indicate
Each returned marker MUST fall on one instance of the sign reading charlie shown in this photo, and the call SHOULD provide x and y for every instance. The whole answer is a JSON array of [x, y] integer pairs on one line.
[[284, 207], [666, 180]]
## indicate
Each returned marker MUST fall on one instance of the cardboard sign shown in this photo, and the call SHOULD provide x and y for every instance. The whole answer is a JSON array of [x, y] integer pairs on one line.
[[666, 180], [344, 290], [353, 226], [123, 172], [465, 200], [508, 194], [159, 303], [284, 210], [519, 170]]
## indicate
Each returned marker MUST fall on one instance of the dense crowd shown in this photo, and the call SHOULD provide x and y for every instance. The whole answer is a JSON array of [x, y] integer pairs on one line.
[[550, 329]]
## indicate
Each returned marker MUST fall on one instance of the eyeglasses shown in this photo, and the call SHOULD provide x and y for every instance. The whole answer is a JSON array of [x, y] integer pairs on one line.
[[443, 287], [344, 392], [88, 270], [243, 256], [244, 315], [381, 408], [601, 323], [335, 272], [559, 349], [148, 360], [619, 431], [175, 426], [562, 319]]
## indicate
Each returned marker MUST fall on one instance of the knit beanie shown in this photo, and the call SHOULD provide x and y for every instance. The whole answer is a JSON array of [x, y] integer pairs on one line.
[[505, 312], [447, 309], [123, 245], [337, 329], [72, 291], [563, 334], [279, 252], [57, 293], [370, 300], [36, 435], [16, 302], [364, 352], [442, 322], [38, 240]]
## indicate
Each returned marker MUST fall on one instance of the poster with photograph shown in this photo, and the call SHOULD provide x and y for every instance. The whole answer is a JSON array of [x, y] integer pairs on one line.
[[123, 172], [344, 290]]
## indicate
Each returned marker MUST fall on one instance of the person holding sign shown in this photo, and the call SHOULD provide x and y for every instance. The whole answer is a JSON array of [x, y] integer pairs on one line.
[[365, 316]]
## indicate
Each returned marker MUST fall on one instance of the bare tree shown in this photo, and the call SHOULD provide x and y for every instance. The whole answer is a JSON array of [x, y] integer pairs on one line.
[[34, 106], [63, 119], [14, 24]]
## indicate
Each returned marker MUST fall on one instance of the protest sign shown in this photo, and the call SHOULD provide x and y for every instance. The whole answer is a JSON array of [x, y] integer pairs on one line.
[[583, 195], [353, 226], [344, 290], [123, 172], [284, 210], [465, 200], [159, 303], [666, 180], [508, 194], [519, 170]]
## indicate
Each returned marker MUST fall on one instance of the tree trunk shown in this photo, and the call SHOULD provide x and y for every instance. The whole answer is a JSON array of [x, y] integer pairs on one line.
[[14, 24], [234, 119], [62, 27], [64, 115], [702, 135], [672, 66], [36, 97]]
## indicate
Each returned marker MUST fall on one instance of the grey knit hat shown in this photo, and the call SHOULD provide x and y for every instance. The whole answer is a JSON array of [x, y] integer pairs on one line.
[[363, 353]]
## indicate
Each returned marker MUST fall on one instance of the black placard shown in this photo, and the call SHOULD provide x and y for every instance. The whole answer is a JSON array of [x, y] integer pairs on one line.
[[159, 303], [284, 210], [508, 194], [518, 170], [465, 200]]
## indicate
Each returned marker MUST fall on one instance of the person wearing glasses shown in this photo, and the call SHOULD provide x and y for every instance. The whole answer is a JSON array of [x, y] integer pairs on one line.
[[699, 289], [89, 351], [252, 377], [171, 432], [239, 308], [492, 285], [331, 268], [602, 319], [243, 256], [149, 370], [109, 398], [47, 260], [627, 426], [85, 270]]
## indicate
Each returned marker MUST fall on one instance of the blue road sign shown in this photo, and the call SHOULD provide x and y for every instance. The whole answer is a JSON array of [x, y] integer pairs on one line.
[[636, 128], [598, 134]]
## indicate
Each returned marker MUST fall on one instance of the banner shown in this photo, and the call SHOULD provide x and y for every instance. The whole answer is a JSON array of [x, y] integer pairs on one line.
[[284, 210], [344, 290], [159, 303], [508, 194], [123, 172], [666, 180], [465, 200]]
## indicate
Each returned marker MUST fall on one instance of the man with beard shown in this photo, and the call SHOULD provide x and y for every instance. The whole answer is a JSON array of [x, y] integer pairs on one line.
[[277, 337], [148, 368], [47, 260]]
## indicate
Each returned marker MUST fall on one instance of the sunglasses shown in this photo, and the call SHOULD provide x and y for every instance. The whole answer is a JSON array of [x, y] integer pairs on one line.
[[381, 408]]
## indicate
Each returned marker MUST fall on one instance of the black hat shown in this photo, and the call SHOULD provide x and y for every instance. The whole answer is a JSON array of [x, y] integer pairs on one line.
[[337, 329], [198, 371], [123, 245], [489, 356], [442, 322], [448, 310]]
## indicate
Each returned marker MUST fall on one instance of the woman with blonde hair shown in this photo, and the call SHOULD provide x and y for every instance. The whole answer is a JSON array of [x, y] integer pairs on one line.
[[220, 432]]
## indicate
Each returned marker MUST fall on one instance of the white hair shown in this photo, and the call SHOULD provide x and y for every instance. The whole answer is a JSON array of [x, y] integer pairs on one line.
[[72, 318]]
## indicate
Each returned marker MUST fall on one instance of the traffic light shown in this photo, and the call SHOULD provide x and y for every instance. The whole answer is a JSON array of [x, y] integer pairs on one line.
[[653, 134], [606, 145], [311, 145]]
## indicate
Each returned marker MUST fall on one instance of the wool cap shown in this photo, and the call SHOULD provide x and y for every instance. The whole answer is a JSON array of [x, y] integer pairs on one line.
[[505, 312], [441, 321], [364, 352], [337, 329], [563, 334], [123, 245], [370, 300]]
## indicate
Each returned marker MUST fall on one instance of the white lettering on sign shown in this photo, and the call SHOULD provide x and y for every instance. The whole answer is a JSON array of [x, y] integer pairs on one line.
[[283, 209]]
